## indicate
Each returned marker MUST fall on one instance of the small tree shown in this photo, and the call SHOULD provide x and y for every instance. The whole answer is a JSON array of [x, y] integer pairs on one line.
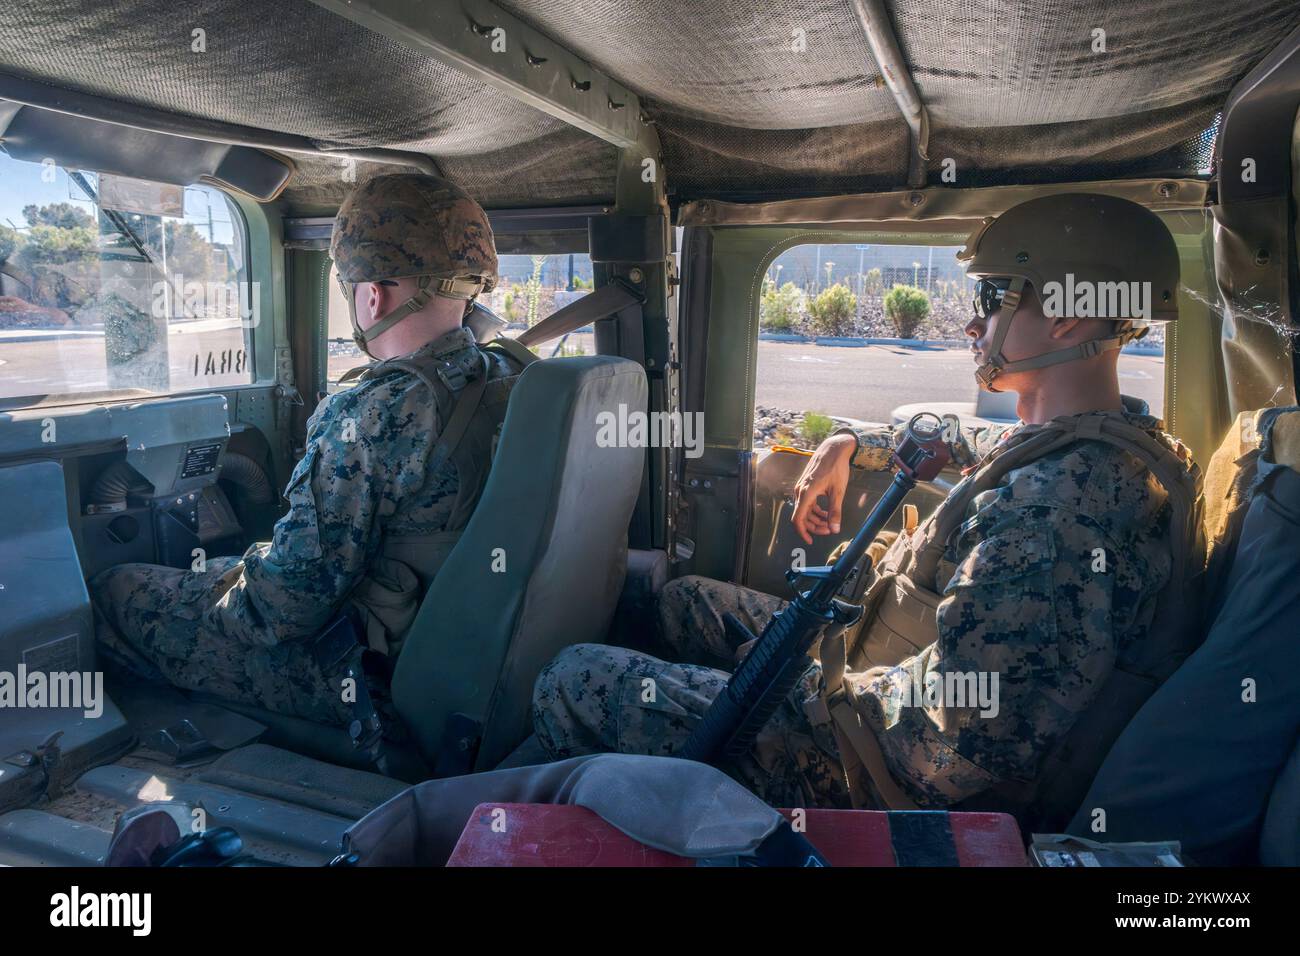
[[833, 310], [778, 309], [906, 307], [875, 282], [534, 290], [10, 241]]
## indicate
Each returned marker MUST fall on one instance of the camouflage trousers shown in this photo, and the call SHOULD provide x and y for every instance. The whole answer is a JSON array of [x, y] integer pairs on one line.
[[592, 698], [165, 625]]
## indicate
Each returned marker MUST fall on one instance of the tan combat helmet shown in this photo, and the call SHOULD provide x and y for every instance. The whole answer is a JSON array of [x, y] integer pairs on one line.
[[412, 225], [1087, 256]]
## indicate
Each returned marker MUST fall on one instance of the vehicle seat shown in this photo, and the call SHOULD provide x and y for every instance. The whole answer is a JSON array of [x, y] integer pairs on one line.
[[1279, 843], [1199, 761], [540, 565]]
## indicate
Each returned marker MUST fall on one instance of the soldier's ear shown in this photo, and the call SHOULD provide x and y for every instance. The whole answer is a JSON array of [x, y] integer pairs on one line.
[[372, 297], [1064, 327]]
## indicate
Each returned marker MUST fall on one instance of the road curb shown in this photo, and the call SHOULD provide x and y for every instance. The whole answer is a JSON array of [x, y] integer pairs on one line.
[[857, 341]]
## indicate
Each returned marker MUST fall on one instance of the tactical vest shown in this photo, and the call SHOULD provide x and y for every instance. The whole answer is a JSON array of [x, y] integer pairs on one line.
[[471, 407], [900, 620]]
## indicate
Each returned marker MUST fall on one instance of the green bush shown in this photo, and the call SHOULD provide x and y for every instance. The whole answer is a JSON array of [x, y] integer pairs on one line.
[[815, 428], [833, 310], [906, 306], [778, 309]]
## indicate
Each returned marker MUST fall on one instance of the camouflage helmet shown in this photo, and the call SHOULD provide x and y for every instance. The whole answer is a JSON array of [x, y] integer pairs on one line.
[[1087, 256], [412, 225]]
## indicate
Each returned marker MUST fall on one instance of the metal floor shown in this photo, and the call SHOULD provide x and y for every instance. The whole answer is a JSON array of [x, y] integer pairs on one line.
[[289, 809]]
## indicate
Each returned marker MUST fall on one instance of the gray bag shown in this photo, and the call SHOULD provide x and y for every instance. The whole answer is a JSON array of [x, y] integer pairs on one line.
[[678, 806]]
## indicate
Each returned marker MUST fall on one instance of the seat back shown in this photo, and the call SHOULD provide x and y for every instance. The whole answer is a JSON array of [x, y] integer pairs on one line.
[[539, 566], [1198, 762]]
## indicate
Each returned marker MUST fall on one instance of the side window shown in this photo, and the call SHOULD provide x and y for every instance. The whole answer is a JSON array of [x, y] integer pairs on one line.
[[529, 289], [111, 285], [874, 333]]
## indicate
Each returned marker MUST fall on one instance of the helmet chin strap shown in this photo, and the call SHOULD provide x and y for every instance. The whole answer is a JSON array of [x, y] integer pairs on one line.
[[996, 362], [465, 289]]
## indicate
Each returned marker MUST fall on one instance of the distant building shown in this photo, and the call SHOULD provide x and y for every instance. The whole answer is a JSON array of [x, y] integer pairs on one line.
[[805, 265]]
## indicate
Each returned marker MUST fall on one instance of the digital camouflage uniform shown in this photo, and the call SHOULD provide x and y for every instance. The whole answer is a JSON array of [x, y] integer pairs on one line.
[[363, 506], [1020, 599], [239, 629]]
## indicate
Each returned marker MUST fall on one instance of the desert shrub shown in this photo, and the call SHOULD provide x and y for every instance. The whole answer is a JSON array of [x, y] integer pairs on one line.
[[832, 311], [906, 307], [778, 309], [815, 428]]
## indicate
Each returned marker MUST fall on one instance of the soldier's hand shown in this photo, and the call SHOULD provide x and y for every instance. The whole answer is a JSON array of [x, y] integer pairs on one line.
[[827, 473]]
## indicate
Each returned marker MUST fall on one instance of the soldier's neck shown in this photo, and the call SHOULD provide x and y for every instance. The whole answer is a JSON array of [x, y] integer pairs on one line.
[[1068, 391], [412, 333]]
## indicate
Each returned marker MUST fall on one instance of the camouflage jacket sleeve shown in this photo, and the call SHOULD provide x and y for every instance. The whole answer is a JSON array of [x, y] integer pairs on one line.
[[877, 442], [1025, 639], [366, 451]]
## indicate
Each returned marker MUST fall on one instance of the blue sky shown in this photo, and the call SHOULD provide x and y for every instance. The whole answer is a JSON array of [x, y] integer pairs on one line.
[[21, 185]]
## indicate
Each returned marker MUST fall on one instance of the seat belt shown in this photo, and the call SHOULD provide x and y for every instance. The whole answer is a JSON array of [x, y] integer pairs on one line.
[[511, 347], [606, 301], [613, 297]]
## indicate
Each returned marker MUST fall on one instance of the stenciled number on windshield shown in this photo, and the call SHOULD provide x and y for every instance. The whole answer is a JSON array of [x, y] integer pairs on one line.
[[222, 363]]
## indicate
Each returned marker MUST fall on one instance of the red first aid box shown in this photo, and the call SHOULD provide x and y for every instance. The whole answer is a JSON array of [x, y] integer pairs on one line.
[[526, 834]]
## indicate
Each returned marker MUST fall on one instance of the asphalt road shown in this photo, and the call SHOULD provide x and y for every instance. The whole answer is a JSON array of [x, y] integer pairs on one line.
[[869, 382], [866, 383]]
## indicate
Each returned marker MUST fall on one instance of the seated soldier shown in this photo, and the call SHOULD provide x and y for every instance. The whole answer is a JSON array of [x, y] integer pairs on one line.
[[1054, 574], [389, 478]]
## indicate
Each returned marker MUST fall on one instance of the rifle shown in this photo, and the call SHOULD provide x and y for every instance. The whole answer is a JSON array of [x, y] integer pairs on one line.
[[780, 655]]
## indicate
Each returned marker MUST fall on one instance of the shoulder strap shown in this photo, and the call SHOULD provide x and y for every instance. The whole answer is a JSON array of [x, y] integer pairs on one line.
[[836, 705], [1015, 452], [464, 407], [521, 354], [1179, 478]]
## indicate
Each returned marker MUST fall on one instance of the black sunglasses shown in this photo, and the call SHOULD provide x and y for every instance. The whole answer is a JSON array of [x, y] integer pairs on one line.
[[988, 296]]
